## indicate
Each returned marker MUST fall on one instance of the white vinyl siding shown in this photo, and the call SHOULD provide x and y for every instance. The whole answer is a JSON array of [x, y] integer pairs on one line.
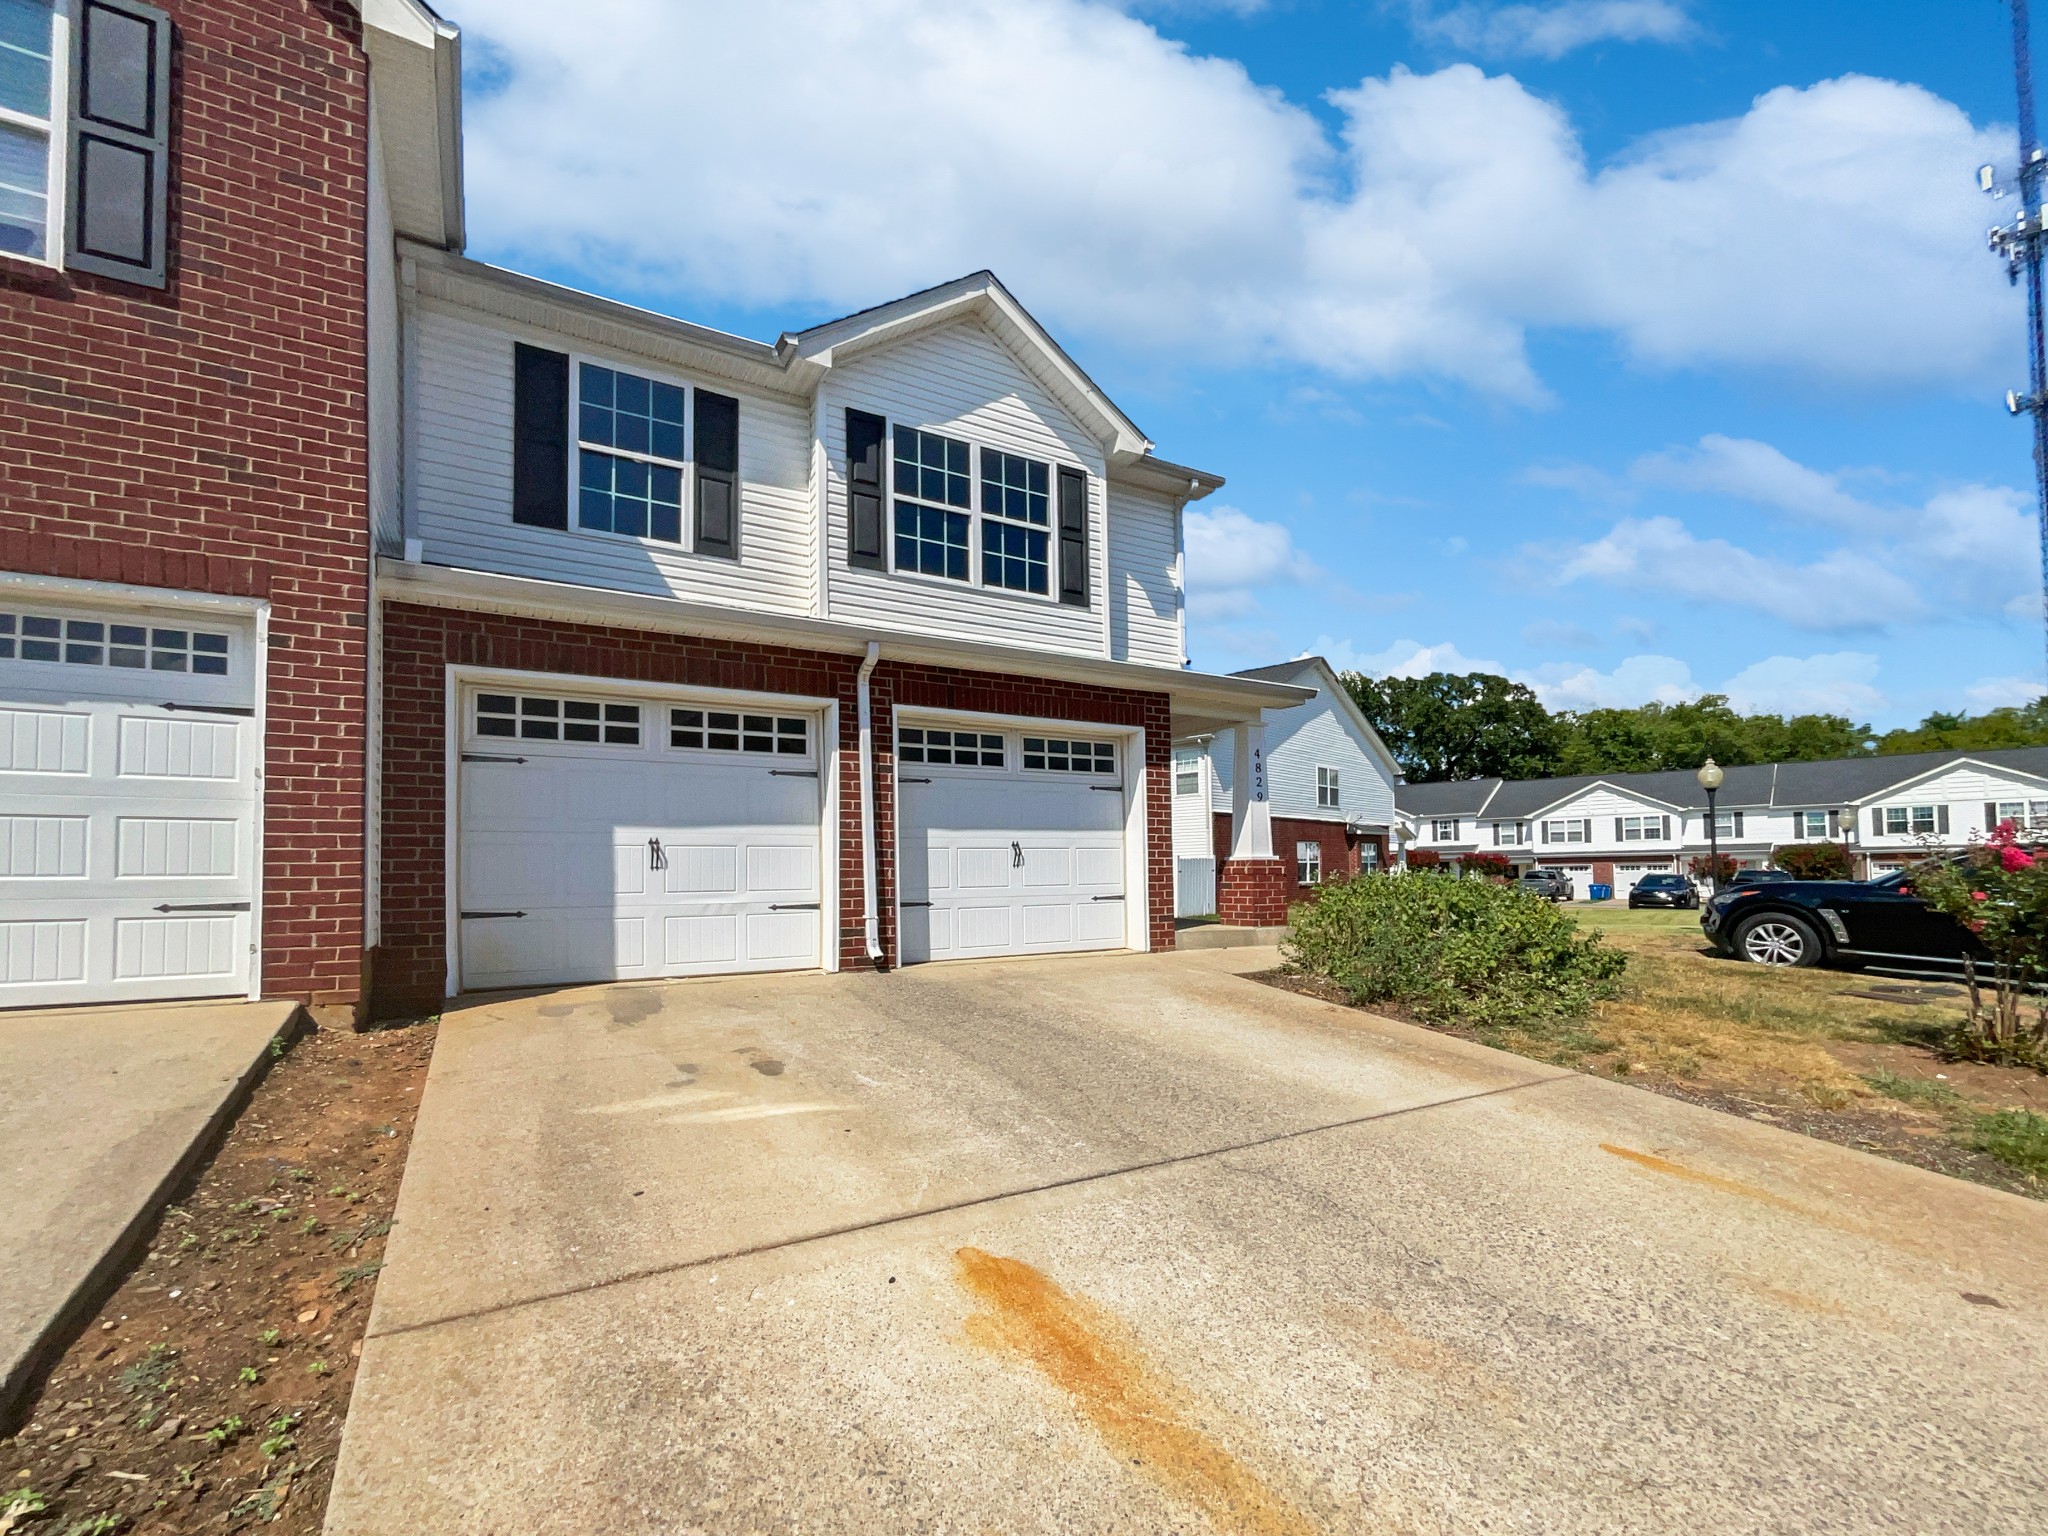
[[958, 380], [1316, 735], [1144, 571], [464, 481], [1194, 820]]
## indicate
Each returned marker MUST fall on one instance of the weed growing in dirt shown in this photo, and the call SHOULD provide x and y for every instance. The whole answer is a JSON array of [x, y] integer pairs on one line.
[[151, 1374], [355, 1272], [1913, 1090], [270, 1337], [22, 1501], [280, 1438], [226, 1430], [2016, 1137]]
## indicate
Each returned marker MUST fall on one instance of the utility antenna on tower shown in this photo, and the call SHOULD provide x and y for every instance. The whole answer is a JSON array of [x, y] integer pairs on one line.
[[2020, 243]]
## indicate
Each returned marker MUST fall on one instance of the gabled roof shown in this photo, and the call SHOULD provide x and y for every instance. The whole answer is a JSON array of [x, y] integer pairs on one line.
[[1327, 682], [1630, 792], [982, 295], [1833, 784]]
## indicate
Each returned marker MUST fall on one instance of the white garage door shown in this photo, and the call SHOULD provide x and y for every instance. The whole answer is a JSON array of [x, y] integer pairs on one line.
[[128, 771], [1626, 876], [1012, 842], [611, 838], [1581, 878]]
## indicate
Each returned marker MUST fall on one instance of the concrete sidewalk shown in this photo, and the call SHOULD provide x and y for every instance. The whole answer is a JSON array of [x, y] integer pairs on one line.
[[1136, 1244], [103, 1112]]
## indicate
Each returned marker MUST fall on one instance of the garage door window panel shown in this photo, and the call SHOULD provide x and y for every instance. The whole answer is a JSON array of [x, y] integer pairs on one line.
[[97, 643], [529, 718], [1054, 754], [721, 730], [931, 745]]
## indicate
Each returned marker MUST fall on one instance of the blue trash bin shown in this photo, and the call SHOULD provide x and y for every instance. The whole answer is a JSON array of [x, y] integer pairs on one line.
[[1600, 892]]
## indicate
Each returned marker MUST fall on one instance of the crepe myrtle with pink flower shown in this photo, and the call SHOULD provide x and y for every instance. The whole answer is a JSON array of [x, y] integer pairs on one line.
[[1998, 890]]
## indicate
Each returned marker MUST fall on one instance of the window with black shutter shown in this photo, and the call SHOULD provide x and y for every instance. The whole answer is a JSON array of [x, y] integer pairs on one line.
[[120, 143], [1073, 537], [540, 437], [718, 474], [866, 436]]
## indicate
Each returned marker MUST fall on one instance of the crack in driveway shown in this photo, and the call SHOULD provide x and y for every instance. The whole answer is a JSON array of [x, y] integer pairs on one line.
[[903, 1218]]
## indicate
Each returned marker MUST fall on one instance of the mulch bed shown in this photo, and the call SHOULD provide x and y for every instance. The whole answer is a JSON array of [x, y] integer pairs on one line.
[[1876, 1127], [209, 1393]]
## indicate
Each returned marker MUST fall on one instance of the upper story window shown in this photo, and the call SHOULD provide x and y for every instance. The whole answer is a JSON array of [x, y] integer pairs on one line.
[[1444, 830], [1510, 834], [1188, 781], [1814, 823], [28, 129], [1016, 517], [1579, 830], [2021, 813], [630, 451], [85, 182], [931, 536], [1915, 820], [1641, 829], [1328, 796]]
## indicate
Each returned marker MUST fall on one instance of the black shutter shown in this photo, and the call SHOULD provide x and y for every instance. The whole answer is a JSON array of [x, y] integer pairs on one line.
[[540, 437], [1990, 815], [1877, 821], [718, 475], [1617, 829], [120, 152], [1941, 820], [865, 437], [1738, 824], [1073, 537]]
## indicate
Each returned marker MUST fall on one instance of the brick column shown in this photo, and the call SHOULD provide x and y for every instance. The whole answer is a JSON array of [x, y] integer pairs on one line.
[[1252, 893]]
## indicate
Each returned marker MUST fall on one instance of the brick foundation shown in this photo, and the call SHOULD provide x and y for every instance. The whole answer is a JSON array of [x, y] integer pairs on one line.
[[211, 436], [420, 643], [1253, 893]]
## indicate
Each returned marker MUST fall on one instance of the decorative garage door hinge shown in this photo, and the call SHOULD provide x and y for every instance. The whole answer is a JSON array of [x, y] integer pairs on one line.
[[245, 710], [792, 773], [794, 906], [913, 781], [913, 903], [485, 757], [1108, 789], [205, 906], [468, 915], [1105, 898]]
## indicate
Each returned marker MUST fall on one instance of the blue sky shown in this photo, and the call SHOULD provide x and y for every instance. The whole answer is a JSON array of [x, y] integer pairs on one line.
[[1636, 348]]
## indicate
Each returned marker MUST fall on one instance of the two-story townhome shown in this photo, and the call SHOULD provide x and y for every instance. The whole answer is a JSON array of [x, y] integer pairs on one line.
[[1613, 829], [194, 202], [1330, 780], [861, 647]]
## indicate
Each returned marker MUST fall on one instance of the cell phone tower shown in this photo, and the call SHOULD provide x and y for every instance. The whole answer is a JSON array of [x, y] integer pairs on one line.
[[2020, 243]]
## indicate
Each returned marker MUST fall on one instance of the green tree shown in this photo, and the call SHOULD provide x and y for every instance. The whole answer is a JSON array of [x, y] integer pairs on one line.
[[1447, 726], [2022, 726], [1682, 736]]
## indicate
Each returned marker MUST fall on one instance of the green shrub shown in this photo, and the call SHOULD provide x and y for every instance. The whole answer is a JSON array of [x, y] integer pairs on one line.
[[1465, 952]]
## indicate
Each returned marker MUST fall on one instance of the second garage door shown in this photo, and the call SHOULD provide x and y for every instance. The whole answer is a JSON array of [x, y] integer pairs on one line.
[[613, 838], [1012, 842]]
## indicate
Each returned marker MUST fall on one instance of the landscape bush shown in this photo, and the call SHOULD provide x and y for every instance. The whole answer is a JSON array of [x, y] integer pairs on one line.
[[1812, 861], [2000, 893], [1468, 953], [1490, 866]]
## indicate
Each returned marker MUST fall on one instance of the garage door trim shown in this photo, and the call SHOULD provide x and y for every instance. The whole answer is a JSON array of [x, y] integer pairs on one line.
[[459, 678], [114, 597], [1131, 743]]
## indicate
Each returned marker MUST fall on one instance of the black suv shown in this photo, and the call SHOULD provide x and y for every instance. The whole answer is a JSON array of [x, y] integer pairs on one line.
[[1664, 891], [1880, 923]]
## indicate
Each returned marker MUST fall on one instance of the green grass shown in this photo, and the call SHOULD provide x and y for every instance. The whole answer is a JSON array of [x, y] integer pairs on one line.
[[1912, 1090], [2016, 1137]]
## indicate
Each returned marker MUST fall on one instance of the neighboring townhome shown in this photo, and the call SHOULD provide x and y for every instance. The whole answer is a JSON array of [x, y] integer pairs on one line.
[[192, 216], [861, 647], [1329, 777], [1613, 829]]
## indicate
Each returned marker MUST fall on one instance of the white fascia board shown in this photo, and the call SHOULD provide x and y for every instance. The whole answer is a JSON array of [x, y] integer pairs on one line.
[[1230, 698], [1155, 474], [1348, 711], [1626, 794], [416, 85], [1998, 770]]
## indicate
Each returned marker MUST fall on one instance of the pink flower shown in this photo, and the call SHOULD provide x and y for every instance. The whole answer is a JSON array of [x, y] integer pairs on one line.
[[1975, 926], [1978, 896], [2005, 832], [2016, 858]]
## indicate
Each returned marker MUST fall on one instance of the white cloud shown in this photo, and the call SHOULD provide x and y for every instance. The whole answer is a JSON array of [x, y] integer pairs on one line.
[[2001, 692], [1969, 549], [1552, 31], [1843, 590], [1404, 658], [1839, 683], [1638, 680], [1231, 555], [1831, 230]]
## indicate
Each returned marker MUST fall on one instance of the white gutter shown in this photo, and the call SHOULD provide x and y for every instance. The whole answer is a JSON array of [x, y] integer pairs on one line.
[[870, 923]]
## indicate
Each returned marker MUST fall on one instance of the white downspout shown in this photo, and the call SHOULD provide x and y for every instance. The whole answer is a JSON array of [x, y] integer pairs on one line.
[[870, 923]]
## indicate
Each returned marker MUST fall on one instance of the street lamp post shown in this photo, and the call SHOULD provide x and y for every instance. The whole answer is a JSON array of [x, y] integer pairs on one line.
[[1710, 777]]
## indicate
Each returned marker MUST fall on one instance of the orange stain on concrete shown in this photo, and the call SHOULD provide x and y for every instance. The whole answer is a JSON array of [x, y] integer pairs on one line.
[[1712, 1180], [1071, 1343]]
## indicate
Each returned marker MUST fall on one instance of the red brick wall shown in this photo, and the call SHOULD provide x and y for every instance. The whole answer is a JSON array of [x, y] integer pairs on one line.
[[1253, 893], [420, 643], [1339, 845], [212, 436]]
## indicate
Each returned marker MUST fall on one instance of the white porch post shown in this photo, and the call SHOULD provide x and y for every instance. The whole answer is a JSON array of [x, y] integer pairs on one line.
[[1251, 812]]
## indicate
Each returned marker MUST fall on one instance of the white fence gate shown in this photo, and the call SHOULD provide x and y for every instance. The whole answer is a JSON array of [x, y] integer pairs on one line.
[[1194, 887]]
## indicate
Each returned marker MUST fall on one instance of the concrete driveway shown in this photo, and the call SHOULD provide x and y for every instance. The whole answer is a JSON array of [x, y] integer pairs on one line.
[[1133, 1244]]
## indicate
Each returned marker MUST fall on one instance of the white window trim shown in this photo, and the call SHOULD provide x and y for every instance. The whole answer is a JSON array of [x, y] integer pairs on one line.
[[688, 464], [974, 515], [1437, 825], [56, 208], [1336, 789], [1314, 862]]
